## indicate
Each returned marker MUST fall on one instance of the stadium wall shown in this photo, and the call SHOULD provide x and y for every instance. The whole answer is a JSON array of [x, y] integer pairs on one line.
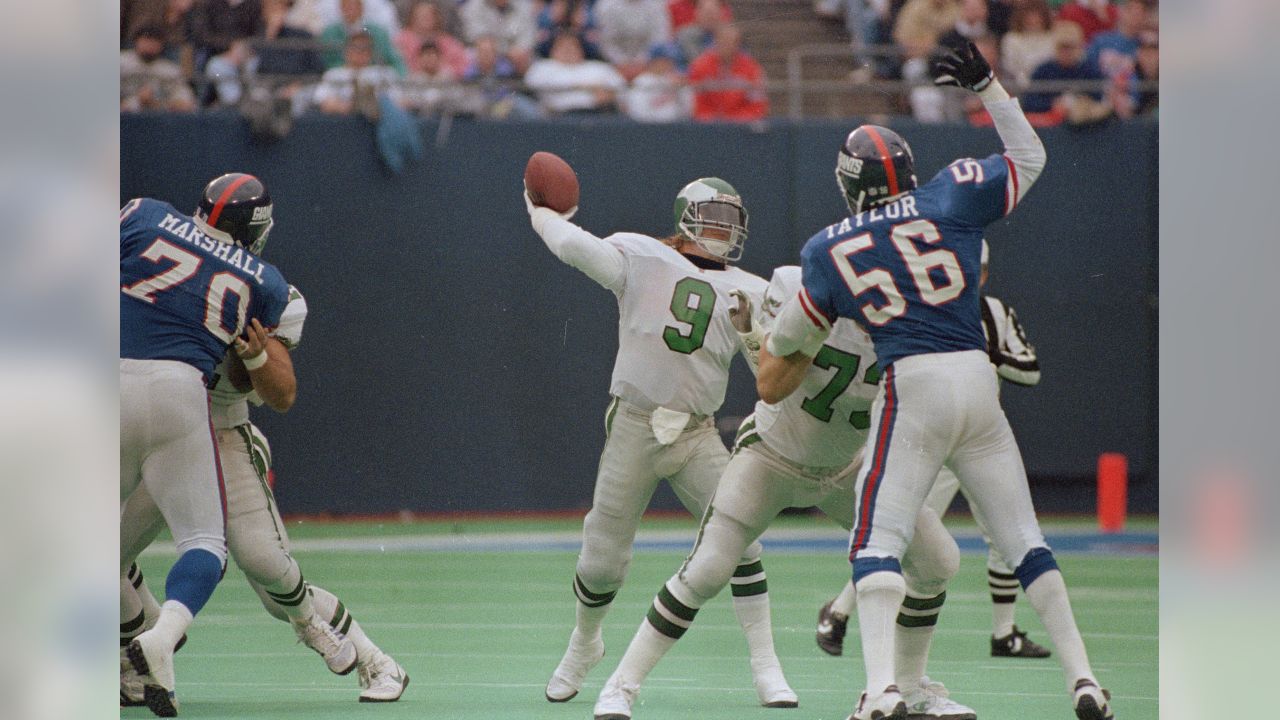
[[451, 363]]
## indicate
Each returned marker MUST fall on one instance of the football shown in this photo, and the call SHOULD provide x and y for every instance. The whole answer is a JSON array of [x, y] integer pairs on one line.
[[551, 182]]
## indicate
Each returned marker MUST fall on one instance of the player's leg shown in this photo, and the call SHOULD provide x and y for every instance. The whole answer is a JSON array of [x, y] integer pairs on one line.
[[166, 404], [751, 493], [256, 540], [140, 523], [382, 679], [1006, 639], [704, 458], [990, 468], [909, 436], [625, 482]]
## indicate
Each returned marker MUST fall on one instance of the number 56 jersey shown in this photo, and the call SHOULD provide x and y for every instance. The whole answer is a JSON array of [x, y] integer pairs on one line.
[[907, 271], [675, 338], [185, 295]]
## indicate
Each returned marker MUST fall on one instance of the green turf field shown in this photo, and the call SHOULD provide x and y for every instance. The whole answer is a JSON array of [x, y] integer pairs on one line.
[[479, 633]]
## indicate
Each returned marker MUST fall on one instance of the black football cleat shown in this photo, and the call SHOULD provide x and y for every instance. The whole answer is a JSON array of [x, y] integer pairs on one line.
[[1016, 644]]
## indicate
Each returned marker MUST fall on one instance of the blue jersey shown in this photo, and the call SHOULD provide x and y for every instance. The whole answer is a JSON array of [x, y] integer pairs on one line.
[[907, 271], [184, 295]]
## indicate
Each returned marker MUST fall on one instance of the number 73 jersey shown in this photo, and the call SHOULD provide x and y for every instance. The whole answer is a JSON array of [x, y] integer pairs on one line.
[[675, 338], [907, 271], [824, 422], [184, 295]]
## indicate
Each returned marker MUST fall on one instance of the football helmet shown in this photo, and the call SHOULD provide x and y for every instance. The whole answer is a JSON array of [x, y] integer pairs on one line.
[[237, 204], [874, 164], [711, 204]]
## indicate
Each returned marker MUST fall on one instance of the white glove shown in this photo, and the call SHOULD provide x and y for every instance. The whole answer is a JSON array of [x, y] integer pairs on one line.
[[538, 215]]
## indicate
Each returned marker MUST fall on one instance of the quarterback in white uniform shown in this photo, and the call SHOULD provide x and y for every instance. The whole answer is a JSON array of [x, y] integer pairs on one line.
[[257, 541], [1015, 360], [676, 340], [802, 452]]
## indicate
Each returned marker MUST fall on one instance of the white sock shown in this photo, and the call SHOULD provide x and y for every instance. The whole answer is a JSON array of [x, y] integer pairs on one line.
[[1004, 593], [1048, 595], [132, 617], [846, 601], [1002, 615], [591, 619], [150, 607], [646, 649], [880, 595], [335, 613], [289, 593], [915, 625], [174, 620], [753, 616]]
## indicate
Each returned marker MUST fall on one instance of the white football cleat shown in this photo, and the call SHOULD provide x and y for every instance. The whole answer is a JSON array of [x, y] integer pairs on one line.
[[888, 705], [152, 660], [579, 658], [1091, 702], [383, 679], [615, 700], [929, 701], [338, 651], [771, 685]]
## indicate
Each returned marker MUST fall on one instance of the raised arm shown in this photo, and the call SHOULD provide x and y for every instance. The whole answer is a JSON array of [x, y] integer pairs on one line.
[[578, 248], [964, 66], [794, 339]]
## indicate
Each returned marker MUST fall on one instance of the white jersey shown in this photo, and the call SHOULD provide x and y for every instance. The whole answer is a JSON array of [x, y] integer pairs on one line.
[[823, 423], [675, 338], [228, 406]]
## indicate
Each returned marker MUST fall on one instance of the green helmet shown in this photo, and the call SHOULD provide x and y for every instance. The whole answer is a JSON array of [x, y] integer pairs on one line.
[[712, 204]]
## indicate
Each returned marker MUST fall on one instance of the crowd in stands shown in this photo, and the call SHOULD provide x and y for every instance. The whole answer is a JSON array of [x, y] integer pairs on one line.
[[651, 60], [1091, 59]]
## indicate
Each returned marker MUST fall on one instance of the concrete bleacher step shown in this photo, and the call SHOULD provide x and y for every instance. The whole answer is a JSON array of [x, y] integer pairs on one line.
[[771, 28]]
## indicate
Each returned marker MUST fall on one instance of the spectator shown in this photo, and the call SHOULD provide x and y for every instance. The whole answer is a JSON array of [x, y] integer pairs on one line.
[[573, 16], [1093, 16], [1069, 62], [568, 83], [1116, 52], [728, 83], [492, 78], [628, 28], [312, 15], [432, 88], [684, 12], [694, 38], [147, 80], [285, 58], [382, 13], [971, 24], [1028, 42], [218, 23], [172, 16], [352, 24], [426, 26], [660, 93], [922, 22], [1146, 101], [356, 84], [512, 24]]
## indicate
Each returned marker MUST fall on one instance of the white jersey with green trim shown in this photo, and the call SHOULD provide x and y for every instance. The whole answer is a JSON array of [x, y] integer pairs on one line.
[[228, 407], [675, 338], [823, 423]]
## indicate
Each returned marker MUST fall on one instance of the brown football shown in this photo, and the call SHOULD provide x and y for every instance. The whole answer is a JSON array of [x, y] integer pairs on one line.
[[551, 182]]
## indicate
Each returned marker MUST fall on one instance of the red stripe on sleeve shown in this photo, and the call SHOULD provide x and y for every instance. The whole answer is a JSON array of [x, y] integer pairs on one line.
[[811, 309], [1011, 200]]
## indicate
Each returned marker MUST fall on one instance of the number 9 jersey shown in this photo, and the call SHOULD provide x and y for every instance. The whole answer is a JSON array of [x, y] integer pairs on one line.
[[185, 295], [907, 270]]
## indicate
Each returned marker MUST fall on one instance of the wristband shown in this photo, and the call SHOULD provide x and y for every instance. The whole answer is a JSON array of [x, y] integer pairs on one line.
[[255, 362]]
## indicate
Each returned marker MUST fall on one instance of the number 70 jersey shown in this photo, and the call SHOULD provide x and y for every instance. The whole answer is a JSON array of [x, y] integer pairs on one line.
[[184, 295], [907, 271]]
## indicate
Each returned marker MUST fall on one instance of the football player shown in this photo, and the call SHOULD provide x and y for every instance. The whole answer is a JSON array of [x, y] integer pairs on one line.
[[190, 286], [1015, 360], [256, 535], [802, 452], [904, 266], [675, 344]]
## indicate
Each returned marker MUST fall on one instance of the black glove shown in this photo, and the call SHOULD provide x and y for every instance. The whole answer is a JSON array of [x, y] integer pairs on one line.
[[963, 66]]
